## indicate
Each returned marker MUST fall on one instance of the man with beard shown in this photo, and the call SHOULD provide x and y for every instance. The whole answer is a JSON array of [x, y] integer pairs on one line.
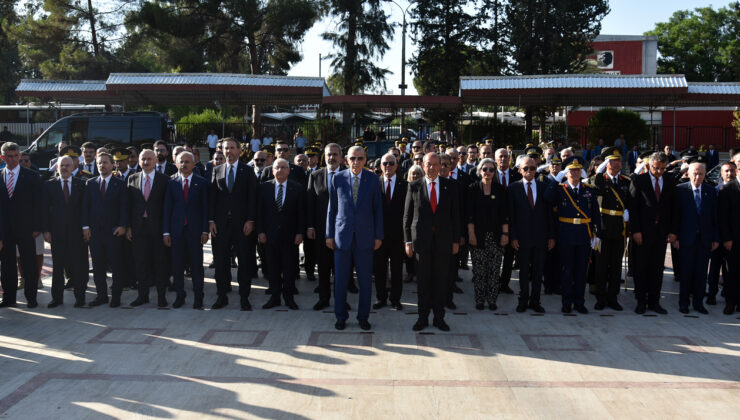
[[163, 166]]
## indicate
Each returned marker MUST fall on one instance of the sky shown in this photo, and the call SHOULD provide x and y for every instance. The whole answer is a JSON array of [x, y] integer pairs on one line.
[[627, 17]]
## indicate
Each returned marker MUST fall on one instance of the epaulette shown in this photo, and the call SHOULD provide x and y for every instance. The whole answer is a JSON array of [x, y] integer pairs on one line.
[[85, 172], [625, 177], [588, 185]]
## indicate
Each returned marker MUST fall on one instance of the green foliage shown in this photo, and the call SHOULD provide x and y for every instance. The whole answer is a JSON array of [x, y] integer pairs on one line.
[[703, 44], [609, 123], [10, 65], [504, 133], [409, 123], [320, 130]]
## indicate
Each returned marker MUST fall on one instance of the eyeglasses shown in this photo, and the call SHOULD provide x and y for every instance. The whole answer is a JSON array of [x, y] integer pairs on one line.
[[388, 163], [463, 154], [529, 168], [282, 149], [280, 167], [488, 169], [356, 158], [416, 147]]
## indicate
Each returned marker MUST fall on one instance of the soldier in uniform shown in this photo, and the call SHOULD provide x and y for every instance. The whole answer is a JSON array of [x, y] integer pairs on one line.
[[578, 223], [612, 188], [120, 159]]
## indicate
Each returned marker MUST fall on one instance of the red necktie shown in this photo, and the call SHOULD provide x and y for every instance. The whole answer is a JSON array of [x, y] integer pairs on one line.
[[503, 179], [102, 190], [66, 191], [185, 192], [657, 189], [433, 198], [530, 196], [388, 191]]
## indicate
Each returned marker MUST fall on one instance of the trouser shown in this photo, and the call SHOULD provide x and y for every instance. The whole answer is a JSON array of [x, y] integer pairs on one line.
[[487, 269], [507, 266], [717, 263], [462, 256], [649, 264], [573, 269], [363, 262], [694, 262], [551, 276], [309, 256], [732, 287], [432, 273], [105, 250], [676, 262], [392, 251], [26, 245], [187, 249], [531, 266], [232, 234], [608, 270], [325, 262], [211, 151], [151, 260], [65, 255], [282, 269]]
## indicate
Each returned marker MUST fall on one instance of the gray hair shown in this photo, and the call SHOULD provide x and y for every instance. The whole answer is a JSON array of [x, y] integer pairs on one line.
[[62, 159], [10, 146], [501, 150], [332, 145], [388, 156], [658, 157], [414, 170], [279, 160], [192, 156], [484, 162], [351, 149]]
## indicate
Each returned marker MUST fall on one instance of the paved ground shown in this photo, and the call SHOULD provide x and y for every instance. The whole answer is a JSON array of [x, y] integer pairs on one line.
[[122, 363]]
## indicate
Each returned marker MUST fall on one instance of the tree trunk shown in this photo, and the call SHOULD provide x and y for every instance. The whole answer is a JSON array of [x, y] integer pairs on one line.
[[350, 67], [93, 32], [254, 68]]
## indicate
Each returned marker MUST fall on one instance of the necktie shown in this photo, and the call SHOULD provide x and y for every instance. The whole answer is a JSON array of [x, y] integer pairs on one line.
[[697, 199], [230, 178], [388, 191], [279, 198], [331, 177], [355, 188], [503, 179], [11, 184], [530, 195], [66, 191], [657, 189], [147, 188], [102, 190], [186, 190], [433, 198], [259, 174]]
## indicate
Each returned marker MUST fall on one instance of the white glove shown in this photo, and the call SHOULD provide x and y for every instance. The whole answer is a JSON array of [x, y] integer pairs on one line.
[[684, 167], [559, 177], [542, 167], [602, 167], [639, 168], [584, 174], [626, 215], [595, 243]]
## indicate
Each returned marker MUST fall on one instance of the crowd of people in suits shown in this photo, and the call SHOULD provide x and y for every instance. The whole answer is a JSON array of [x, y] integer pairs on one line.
[[562, 221]]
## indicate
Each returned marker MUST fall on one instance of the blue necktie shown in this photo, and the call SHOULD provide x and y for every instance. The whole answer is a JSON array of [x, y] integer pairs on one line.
[[697, 199], [230, 178]]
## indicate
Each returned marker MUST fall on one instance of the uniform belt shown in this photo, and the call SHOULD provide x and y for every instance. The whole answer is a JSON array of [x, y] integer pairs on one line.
[[576, 221], [612, 212]]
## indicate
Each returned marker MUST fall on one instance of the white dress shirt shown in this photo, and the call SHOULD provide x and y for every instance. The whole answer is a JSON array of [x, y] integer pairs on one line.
[[144, 176], [534, 188], [189, 178], [660, 182], [393, 184], [503, 174]]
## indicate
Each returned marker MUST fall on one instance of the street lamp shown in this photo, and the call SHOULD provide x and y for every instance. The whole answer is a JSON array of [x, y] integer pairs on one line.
[[402, 86]]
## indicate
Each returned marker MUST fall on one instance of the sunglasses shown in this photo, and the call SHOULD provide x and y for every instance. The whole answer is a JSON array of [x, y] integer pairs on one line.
[[445, 165], [282, 149], [259, 160], [529, 168], [488, 169], [356, 158], [388, 163], [416, 147], [463, 154]]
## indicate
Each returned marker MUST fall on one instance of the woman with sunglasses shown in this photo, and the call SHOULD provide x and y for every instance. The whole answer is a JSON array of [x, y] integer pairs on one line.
[[488, 233]]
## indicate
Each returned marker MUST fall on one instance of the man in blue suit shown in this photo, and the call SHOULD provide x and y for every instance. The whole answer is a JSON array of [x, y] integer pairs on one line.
[[185, 226], [697, 235], [104, 223], [354, 229]]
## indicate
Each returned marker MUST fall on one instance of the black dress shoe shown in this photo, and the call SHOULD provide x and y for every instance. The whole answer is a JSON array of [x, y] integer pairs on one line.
[[521, 308], [566, 309], [441, 324], [451, 306], [640, 308], [115, 302], [581, 309], [658, 309], [220, 303], [340, 325], [138, 302], [54, 303], [600, 305], [702, 310], [271, 304], [365, 325], [464, 267], [379, 304], [507, 290], [291, 305], [198, 303], [32, 304], [683, 310], [320, 305], [179, 301], [537, 308], [268, 291], [711, 300], [409, 278], [457, 290], [397, 306], [480, 306], [729, 310], [5, 304], [352, 288], [615, 305], [98, 301], [161, 301], [492, 306], [245, 305], [420, 324]]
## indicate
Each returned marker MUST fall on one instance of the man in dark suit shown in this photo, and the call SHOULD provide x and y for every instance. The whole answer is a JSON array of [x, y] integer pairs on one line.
[[729, 230], [163, 164], [88, 153], [280, 227], [232, 214], [185, 227], [505, 177], [463, 182], [354, 229], [431, 221], [632, 158], [447, 163], [712, 157], [697, 235], [61, 212], [20, 190], [104, 223], [146, 192], [531, 223], [394, 197], [317, 206], [651, 212], [297, 174]]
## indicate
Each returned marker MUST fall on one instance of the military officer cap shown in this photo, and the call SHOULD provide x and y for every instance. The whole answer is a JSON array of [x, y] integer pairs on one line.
[[359, 141], [555, 160], [697, 159], [689, 153], [489, 140], [509, 146], [268, 149], [109, 146], [573, 162], [403, 142], [611, 153], [311, 151], [702, 148], [71, 151], [528, 146], [120, 154], [533, 151], [317, 144]]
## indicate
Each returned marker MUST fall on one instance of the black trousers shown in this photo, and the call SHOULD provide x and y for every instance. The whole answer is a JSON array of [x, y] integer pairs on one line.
[[105, 250], [694, 264], [325, 263], [66, 249], [551, 277], [531, 267], [230, 235], [394, 252], [506, 267], [9, 273], [282, 269], [151, 262], [732, 287], [432, 279], [608, 270], [309, 256], [717, 263], [649, 264]]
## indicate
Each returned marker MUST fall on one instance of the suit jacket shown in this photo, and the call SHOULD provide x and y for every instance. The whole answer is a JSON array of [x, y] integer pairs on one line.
[[712, 158], [94, 172], [153, 207], [297, 174], [169, 168], [362, 222], [691, 226], [512, 177], [317, 201], [105, 214], [531, 227], [486, 212], [632, 157], [281, 226], [22, 212], [393, 210], [59, 216], [648, 215], [176, 211], [240, 204], [729, 208], [419, 222]]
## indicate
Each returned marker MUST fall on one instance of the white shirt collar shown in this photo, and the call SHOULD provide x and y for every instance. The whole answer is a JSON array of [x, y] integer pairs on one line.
[[392, 179], [107, 179], [61, 180], [693, 188], [189, 178], [429, 181], [16, 171], [574, 187]]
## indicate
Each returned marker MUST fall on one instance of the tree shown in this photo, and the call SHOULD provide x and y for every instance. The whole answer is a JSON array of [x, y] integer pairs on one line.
[[493, 35], [703, 44], [10, 67], [609, 123], [362, 34], [552, 36]]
